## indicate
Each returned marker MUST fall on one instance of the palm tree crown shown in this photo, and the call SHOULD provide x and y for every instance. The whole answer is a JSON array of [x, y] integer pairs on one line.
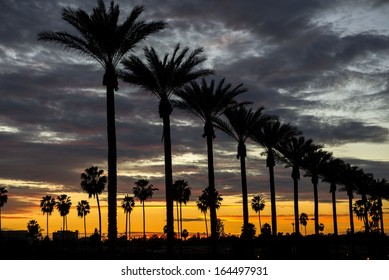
[[47, 205], [100, 37]]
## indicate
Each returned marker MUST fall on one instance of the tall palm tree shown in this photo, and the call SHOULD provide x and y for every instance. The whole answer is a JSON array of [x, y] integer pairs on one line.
[[182, 192], [379, 191], [63, 206], [207, 200], [258, 204], [100, 37], [313, 164], [128, 204], [47, 206], [293, 153], [3, 200], [304, 221], [332, 174], [143, 190], [364, 185], [163, 77], [270, 136], [83, 209], [241, 122], [93, 182], [208, 102]]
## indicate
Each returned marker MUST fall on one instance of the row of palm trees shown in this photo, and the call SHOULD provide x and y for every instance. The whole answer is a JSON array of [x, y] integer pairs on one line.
[[174, 80]]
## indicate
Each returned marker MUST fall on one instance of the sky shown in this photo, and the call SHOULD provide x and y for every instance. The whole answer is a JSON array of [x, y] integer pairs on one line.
[[320, 65]]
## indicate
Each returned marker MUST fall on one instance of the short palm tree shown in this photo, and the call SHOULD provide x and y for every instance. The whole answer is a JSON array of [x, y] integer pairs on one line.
[[163, 77], [3, 200], [100, 37], [142, 191], [240, 125], [83, 209], [293, 153], [63, 204], [209, 102], [202, 205], [128, 204], [258, 204], [93, 182], [364, 185], [314, 164], [182, 192], [47, 205], [304, 221], [380, 191], [270, 136]]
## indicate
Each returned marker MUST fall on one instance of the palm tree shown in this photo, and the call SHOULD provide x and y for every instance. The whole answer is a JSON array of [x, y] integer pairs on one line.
[[128, 204], [270, 136], [142, 190], [241, 122], [182, 192], [314, 163], [47, 206], [83, 209], [101, 38], [34, 230], [93, 182], [163, 78], [202, 205], [63, 206], [209, 102], [293, 153], [364, 185], [3, 200], [304, 221], [258, 204], [379, 191]]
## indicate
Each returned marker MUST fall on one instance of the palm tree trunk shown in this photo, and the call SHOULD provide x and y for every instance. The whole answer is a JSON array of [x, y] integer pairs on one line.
[[206, 223], [259, 218], [144, 221], [85, 225], [381, 216], [242, 156], [129, 226], [295, 176], [350, 209], [315, 181], [47, 223], [126, 225], [212, 188], [178, 221], [165, 110], [112, 160], [333, 190], [365, 214], [98, 208], [0, 223], [270, 164]]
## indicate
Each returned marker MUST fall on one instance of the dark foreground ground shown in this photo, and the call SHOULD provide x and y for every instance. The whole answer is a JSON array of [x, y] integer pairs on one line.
[[359, 246]]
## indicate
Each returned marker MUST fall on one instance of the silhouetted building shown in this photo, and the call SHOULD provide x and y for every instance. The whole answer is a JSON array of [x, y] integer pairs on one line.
[[67, 235]]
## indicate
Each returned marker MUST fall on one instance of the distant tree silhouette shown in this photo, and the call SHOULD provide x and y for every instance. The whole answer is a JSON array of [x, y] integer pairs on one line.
[[240, 125], [202, 205], [364, 184], [63, 204], [181, 194], [47, 205], [270, 136], [293, 154], [266, 229], [220, 228], [248, 231], [185, 234], [93, 182], [34, 230], [379, 191], [143, 190], [209, 102], [3, 200], [83, 209], [304, 221], [258, 204], [163, 77], [101, 38], [128, 204]]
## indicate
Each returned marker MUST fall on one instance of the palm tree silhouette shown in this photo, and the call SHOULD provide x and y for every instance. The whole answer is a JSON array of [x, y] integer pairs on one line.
[[314, 163], [258, 204], [379, 191], [182, 192], [164, 77], [34, 230], [364, 184], [142, 190], [63, 206], [241, 122], [208, 102], [101, 38], [128, 204], [202, 205], [293, 153], [270, 137], [3, 200], [83, 209], [304, 221], [93, 182], [47, 204]]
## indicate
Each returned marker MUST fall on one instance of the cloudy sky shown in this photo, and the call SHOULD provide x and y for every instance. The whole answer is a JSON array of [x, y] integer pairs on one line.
[[320, 65]]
